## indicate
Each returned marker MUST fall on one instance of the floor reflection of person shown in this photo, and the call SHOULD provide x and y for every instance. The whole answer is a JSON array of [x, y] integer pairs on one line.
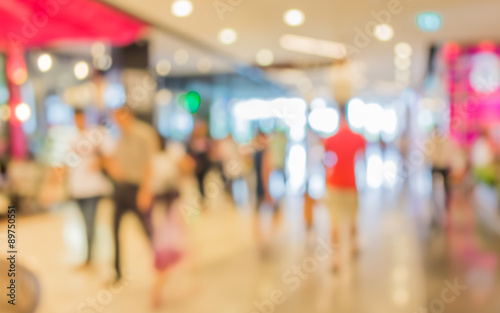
[[86, 181], [131, 169], [342, 193]]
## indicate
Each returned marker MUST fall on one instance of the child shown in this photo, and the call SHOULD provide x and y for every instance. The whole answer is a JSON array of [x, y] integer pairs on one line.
[[169, 167]]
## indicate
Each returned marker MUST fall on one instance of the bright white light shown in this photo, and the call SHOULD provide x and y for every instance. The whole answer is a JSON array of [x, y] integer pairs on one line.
[[44, 62], [181, 8], [356, 114], [316, 184], [296, 167], [390, 173], [374, 118], [286, 109], [324, 121], [307, 45], [227, 36], [81, 70], [23, 112], [374, 171], [403, 50], [294, 17], [204, 65], [163, 97], [390, 121], [264, 57], [383, 32], [163, 67], [181, 56]]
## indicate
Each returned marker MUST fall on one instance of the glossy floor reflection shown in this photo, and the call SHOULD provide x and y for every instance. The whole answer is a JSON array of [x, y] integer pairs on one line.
[[409, 261]]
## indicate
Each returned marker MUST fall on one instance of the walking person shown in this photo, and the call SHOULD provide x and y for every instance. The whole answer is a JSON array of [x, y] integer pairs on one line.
[[440, 159], [131, 169], [342, 193], [199, 149], [86, 181]]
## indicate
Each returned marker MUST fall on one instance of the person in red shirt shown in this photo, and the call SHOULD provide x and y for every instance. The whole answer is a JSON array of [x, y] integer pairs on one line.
[[342, 195]]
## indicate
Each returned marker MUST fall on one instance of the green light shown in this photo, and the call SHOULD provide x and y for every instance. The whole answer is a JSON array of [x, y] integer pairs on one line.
[[429, 21], [192, 101]]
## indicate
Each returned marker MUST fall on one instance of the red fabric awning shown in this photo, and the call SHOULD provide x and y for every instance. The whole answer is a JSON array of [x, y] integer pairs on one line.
[[36, 23]]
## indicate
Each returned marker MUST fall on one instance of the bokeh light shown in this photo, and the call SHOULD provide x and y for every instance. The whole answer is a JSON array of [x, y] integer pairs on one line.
[[181, 8], [44, 62], [294, 17], [81, 70]]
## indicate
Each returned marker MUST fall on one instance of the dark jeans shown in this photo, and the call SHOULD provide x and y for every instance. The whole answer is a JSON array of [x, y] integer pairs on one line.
[[445, 173], [125, 199], [88, 206]]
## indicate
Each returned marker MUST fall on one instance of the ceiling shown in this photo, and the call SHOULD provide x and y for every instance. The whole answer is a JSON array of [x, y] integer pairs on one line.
[[259, 25]]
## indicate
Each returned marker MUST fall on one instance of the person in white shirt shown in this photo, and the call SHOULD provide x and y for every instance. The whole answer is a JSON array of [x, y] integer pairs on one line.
[[86, 181]]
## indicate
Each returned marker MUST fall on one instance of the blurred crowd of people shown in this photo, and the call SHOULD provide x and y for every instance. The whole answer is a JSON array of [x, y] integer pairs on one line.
[[139, 170]]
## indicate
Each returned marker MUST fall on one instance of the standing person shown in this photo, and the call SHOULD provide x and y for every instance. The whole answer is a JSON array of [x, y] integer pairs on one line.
[[440, 159], [199, 149], [263, 163], [342, 193], [131, 169], [86, 181]]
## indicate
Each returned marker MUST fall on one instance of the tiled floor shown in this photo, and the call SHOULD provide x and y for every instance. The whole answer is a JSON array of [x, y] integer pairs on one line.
[[406, 263]]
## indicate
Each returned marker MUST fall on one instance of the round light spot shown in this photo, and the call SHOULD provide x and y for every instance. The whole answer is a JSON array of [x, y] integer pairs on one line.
[[403, 50], [294, 17], [44, 62], [383, 32], [163, 67], [81, 70], [98, 49], [181, 8], [227, 36], [264, 57], [22, 112]]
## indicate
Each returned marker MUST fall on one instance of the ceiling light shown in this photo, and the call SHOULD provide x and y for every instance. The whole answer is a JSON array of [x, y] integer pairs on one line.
[[313, 46], [383, 32], [227, 36], [294, 17], [403, 50], [181, 8], [181, 56], [429, 21], [81, 70], [264, 57], [163, 67], [44, 62]]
